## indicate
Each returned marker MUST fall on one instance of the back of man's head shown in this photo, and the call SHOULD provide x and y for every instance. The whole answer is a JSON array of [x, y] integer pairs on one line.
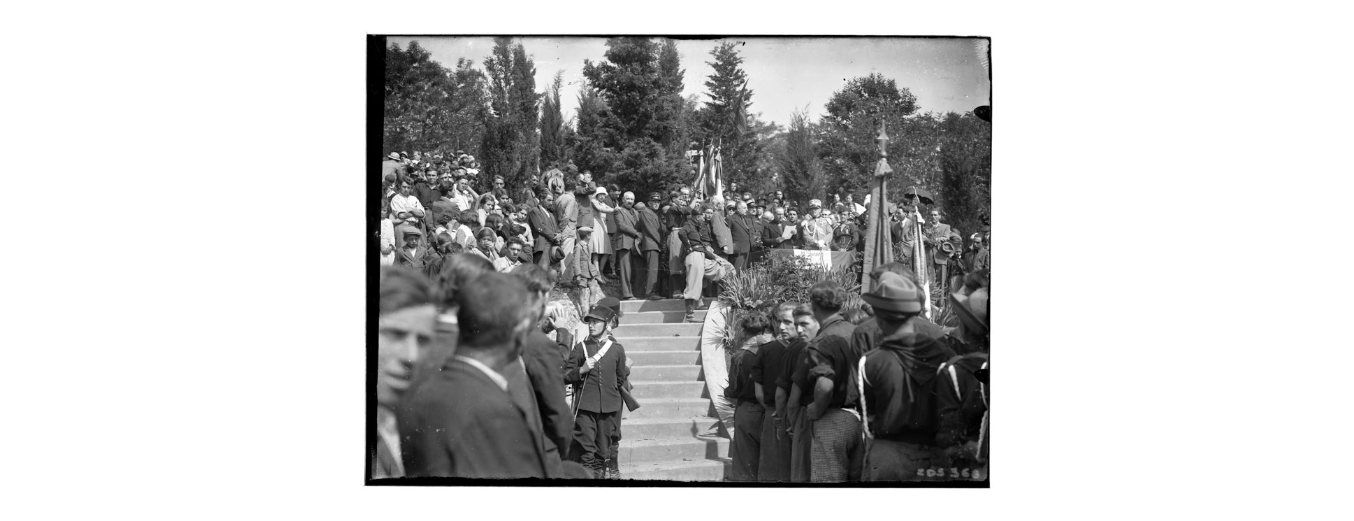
[[893, 267], [537, 279], [827, 296], [492, 311], [457, 271], [402, 289]]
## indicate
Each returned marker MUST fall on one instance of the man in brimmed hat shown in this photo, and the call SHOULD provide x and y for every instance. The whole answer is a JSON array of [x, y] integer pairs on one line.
[[391, 165], [597, 367], [906, 399], [650, 246]]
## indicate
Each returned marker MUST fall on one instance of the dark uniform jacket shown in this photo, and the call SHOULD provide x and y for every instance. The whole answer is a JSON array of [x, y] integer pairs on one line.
[[831, 357], [907, 399], [768, 367], [650, 231], [624, 229], [697, 236], [742, 228], [601, 386], [459, 423], [740, 386], [678, 215], [789, 362], [543, 229]]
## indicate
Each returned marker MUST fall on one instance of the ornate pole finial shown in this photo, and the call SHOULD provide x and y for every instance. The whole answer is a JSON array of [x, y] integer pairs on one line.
[[882, 141]]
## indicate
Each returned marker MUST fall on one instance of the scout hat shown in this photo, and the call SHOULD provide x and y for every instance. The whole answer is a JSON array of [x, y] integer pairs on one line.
[[893, 292], [602, 313], [394, 155]]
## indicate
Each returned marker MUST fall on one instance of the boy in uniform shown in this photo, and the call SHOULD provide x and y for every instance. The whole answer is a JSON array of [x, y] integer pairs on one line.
[[597, 368]]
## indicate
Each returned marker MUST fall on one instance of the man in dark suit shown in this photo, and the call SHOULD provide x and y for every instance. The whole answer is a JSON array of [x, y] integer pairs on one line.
[[544, 229], [650, 244], [772, 232], [406, 315], [742, 227], [597, 367], [624, 242], [462, 421]]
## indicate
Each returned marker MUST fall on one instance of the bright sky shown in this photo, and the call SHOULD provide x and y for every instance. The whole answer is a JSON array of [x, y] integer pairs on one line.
[[945, 74]]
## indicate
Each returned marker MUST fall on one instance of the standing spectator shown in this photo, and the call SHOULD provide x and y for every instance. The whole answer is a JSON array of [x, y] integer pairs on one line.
[[567, 217], [650, 245], [977, 258], [583, 270], [392, 166], [836, 453], [747, 396], [613, 199], [601, 240], [462, 421], [774, 463], [597, 369], [903, 389], [626, 237], [719, 226], [404, 324], [742, 227], [796, 240], [797, 360], [677, 213], [545, 230]]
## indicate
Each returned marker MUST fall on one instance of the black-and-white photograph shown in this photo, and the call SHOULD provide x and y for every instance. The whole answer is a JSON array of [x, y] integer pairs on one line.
[[679, 259]]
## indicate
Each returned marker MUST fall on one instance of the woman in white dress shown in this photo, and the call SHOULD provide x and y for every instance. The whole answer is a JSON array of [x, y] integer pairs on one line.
[[601, 242]]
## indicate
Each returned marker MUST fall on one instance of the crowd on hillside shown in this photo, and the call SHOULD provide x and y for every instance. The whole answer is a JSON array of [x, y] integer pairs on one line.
[[477, 378], [657, 245]]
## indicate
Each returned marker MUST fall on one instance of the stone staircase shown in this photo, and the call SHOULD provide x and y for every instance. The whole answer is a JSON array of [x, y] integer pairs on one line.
[[673, 435]]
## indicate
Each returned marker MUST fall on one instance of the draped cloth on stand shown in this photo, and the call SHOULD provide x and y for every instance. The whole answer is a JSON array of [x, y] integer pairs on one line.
[[878, 241]]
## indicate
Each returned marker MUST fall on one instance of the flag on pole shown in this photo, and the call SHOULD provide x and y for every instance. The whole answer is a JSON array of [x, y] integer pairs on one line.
[[717, 173]]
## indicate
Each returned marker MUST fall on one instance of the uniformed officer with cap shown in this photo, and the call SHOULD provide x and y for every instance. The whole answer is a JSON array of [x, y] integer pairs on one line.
[[597, 367]]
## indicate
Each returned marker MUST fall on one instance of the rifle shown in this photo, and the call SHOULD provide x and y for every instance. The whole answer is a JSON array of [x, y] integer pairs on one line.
[[630, 403]]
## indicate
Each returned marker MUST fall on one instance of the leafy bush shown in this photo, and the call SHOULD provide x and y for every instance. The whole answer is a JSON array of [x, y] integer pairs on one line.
[[765, 284]]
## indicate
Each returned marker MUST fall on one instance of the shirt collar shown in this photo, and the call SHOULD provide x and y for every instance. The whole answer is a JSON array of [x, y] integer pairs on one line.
[[493, 375], [836, 317]]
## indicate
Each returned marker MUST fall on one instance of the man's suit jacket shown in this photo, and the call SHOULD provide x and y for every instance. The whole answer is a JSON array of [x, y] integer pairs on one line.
[[459, 423], [625, 232], [566, 214], [719, 226], [414, 261], [600, 386], [741, 228], [771, 233], [543, 228], [651, 231]]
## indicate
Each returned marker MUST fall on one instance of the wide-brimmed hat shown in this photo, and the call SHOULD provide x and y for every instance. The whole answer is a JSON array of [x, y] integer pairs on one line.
[[556, 253], [600, 312], [893, 292], [814, 203], [394, 155]]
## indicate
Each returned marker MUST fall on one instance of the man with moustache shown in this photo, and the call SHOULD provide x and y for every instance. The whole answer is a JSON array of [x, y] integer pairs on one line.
[[404, 324]]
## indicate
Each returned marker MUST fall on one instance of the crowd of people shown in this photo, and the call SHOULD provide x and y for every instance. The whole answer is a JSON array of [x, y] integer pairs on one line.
[[669, 244], [478, 377], [827, 396]]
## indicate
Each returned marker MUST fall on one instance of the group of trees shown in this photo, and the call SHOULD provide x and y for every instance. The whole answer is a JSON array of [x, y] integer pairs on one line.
[[633, 127]]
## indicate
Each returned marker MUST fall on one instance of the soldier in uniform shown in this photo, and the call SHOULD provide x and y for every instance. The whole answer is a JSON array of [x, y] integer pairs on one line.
[[598, 370]]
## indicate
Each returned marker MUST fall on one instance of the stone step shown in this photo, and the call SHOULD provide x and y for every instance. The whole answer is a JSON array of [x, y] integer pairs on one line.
[[699, 470], [692, 329], [685, 356], [672, 450], [670, 373], [661, 428], [652, 390], [671, 408], [658, 317], [660, 343], [636, 306]]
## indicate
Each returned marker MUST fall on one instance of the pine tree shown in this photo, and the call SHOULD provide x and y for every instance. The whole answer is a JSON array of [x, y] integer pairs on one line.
[[800, 170], [553, 148], [512, 140], [725, 115]]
